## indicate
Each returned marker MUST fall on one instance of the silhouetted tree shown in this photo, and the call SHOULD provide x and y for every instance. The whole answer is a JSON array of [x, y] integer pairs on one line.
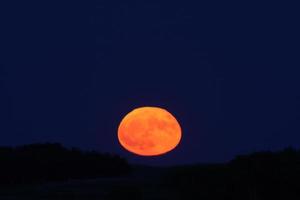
[[258, 176], [271, 175], [52, 162]]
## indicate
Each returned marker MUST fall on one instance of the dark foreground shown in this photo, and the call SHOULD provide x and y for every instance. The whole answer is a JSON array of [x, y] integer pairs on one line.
[[210, 182], [51, 172], [143, 184]]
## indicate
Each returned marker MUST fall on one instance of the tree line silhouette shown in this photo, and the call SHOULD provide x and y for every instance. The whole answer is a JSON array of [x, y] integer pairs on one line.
[[258, 176], [38, 163]]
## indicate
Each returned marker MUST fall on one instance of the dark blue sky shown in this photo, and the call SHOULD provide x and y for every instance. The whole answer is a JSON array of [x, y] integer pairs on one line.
[[228, 71]]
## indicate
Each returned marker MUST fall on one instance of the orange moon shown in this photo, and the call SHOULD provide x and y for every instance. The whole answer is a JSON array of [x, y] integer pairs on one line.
[[149, 131]]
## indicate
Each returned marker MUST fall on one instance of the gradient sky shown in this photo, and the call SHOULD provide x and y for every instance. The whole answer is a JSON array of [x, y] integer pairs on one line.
[[228, 71]]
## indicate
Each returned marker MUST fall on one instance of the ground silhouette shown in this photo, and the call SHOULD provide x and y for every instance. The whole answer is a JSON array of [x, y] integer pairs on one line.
[[38, 163], [261, 175], [27, 170]]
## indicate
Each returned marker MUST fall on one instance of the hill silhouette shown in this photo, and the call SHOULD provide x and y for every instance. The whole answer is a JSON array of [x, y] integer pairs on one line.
[[257, 176], [261, 175], [37, 163]]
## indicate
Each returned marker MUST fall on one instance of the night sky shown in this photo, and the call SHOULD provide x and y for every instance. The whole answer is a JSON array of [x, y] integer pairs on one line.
[[229, 72]]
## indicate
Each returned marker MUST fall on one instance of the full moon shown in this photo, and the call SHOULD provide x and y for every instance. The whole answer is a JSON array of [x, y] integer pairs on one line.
[[149, 131]]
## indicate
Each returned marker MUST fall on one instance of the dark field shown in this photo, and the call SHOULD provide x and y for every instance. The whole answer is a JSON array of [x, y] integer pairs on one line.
[[36, 172], [144, 184], [194, 182]]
